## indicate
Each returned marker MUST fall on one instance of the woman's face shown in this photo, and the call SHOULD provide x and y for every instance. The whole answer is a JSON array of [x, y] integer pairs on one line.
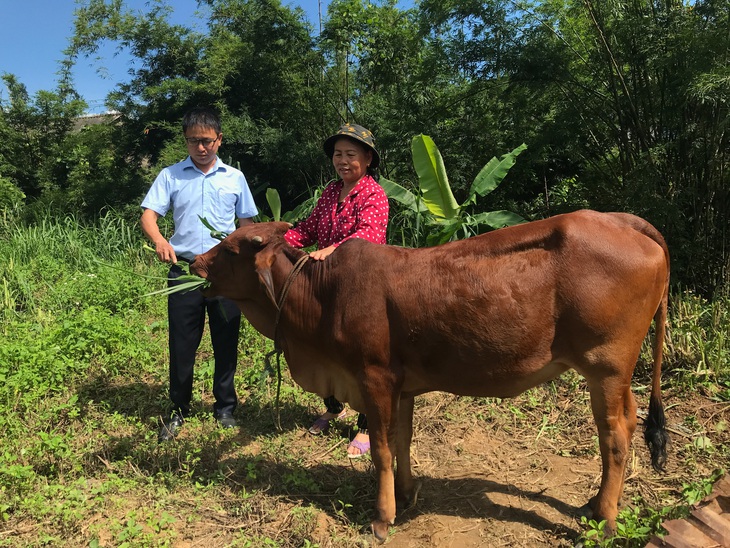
[[351, 160]]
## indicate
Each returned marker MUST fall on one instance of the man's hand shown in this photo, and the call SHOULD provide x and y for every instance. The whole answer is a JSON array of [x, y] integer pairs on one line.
[[163, 249], [165, 252]]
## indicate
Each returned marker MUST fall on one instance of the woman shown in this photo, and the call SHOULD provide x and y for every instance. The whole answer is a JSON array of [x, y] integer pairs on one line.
[[354, 206]]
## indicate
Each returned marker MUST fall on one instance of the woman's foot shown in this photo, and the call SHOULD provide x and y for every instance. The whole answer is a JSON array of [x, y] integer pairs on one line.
[[359, 446], [323, 423]]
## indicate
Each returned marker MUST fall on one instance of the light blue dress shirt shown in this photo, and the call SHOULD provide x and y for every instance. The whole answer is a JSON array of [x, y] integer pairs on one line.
[[220, 196]]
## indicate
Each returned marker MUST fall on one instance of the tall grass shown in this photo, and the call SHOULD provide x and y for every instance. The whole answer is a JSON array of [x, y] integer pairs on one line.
[[58, 264], [698, 338]]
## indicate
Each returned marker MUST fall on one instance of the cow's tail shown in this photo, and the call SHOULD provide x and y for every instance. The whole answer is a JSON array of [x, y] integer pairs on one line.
[[655, 432]]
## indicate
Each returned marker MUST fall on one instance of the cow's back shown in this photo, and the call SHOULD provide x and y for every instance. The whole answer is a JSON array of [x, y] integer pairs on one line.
[[498, 313]]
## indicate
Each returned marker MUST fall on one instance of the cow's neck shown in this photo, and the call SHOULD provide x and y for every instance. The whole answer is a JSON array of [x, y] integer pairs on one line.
[[301, 306], [261, 314]]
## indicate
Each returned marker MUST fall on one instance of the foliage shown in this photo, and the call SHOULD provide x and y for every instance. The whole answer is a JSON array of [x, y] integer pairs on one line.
[[10, 195], [698, 348], [624, 106], [35, 132], [636, 524], [300, 212], [628, 81]]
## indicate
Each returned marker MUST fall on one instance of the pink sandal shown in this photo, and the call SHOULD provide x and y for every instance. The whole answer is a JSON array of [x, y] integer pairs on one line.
[[364, 448]]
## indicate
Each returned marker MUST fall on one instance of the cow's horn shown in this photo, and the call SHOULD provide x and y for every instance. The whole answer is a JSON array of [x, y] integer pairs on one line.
[[257, 240]]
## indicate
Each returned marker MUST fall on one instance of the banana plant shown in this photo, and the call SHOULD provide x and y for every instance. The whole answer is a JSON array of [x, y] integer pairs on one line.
[[444, 217], [274, 201], [296, 214]]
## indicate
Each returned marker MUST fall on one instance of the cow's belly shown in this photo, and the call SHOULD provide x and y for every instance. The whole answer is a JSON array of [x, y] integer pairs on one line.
[[470, 379], [318, 373]]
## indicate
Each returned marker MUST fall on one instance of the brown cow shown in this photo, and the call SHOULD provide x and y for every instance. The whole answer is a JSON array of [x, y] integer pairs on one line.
[[492, 315]]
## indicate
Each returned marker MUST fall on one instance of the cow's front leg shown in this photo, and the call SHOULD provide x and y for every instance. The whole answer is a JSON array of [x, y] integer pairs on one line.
[[405, 488], [382, 390]]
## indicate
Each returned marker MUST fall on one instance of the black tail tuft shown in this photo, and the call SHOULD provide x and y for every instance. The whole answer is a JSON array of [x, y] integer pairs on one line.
[[655, 434]]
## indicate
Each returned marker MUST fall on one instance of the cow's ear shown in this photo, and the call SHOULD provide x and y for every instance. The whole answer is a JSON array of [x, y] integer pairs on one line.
[[282, 227], [263, 264]]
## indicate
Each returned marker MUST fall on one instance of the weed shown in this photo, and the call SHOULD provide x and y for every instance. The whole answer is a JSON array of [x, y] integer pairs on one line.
[[695, 491], [696, 343], [634, 526], [636, 523], [299, 480]]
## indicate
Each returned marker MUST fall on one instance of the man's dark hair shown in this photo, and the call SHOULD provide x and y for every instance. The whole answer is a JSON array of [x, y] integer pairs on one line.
[[204, 117]]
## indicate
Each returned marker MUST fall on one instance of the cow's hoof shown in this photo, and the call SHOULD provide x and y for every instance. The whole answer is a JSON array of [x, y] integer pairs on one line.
[[409, 501], [380, 531], [585, 511]]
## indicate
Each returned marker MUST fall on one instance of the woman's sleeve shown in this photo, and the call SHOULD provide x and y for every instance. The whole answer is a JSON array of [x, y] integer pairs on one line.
[[305, 233]]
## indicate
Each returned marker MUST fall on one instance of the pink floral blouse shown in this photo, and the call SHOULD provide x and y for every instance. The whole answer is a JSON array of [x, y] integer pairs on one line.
[[362, 214]]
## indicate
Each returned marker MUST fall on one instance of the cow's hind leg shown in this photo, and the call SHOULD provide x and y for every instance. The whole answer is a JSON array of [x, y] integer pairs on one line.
[[406, 491], [614, 410]]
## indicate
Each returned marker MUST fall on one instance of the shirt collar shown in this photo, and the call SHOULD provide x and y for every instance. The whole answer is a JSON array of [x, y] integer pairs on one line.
[[218, 165], [357, 188]]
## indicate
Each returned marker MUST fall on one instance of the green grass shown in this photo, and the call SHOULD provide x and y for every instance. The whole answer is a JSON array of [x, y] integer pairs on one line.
[[83, 379]]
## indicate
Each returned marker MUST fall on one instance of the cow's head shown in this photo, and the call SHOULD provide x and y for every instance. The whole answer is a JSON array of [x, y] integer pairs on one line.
[[238, 266]]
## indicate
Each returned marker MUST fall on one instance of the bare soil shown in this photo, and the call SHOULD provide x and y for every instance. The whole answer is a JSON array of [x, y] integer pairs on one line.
[[492, 473]]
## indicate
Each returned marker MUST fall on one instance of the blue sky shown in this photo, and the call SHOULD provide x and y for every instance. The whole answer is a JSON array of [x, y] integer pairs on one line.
[[35, 33]]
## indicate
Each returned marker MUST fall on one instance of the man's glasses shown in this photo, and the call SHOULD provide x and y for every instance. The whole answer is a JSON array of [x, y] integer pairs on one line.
[[207, 143]]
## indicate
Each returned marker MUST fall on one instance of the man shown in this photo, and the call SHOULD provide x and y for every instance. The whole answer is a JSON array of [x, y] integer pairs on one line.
[[199, 186]]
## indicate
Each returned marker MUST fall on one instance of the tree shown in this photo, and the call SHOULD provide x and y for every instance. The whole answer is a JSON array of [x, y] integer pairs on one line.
[[256, 64], [627, 81], [261, 58], [34, 130]]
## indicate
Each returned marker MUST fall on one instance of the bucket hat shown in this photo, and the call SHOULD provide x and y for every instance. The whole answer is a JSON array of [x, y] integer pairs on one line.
[[358, 133]]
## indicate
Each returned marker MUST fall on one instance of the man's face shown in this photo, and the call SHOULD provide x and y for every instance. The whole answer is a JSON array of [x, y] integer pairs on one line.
[[203, 146]]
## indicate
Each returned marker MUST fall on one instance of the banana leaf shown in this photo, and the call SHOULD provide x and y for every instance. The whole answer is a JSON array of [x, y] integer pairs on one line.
[[497, 219], [402, 195], [272, 197], [493, 173], [432, 179]]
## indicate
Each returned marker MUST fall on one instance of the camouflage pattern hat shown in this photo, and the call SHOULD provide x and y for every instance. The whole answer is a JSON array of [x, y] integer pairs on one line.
[[358, 133]]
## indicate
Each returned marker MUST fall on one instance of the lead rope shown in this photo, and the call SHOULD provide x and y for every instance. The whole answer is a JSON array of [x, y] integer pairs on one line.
[[277, 347]]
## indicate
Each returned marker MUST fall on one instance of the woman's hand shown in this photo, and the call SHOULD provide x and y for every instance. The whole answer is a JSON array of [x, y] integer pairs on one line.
[[322, 254]]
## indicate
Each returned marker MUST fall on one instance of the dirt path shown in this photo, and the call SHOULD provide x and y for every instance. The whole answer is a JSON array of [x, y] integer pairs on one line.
[[520, 477]]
